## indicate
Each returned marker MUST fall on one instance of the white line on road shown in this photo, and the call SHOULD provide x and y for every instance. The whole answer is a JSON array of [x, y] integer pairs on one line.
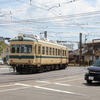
[[39, 87], [69, 85], [61, 91], [7, 90], [15, 84], [64, 78], [7, 85], [71, 80], [23, 84], [44, 82], [62, 84]]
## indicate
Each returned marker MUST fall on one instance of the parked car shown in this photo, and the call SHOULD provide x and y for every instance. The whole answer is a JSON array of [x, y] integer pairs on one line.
[[1, 61], [93, 73]]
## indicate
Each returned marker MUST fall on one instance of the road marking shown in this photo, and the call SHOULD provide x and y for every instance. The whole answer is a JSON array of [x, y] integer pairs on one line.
[[13, 89], [71, 80], [3, 68], [56, 90], [44, 82], [7, 85], [69, 85], [58, 79], [26, 85], [62, 84], [15, 84]]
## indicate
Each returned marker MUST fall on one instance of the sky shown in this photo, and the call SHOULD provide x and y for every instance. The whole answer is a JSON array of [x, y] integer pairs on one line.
[[63, 20]]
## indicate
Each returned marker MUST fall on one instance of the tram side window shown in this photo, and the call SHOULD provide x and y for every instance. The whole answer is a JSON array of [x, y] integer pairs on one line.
[[12, 49], [39, 49], [53, 51], [59, 51], [29, 48], [15, 49], [21, 48], [35, 49], [56, 51], [26, 48], [50, 51], [43, 50], [46, 50], [65, 53]]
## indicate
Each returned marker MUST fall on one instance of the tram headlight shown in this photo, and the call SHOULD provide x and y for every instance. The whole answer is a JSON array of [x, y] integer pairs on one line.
[[20, 38]]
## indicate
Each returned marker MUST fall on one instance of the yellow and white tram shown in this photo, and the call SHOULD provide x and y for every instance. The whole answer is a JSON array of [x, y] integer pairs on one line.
[[30, 54]]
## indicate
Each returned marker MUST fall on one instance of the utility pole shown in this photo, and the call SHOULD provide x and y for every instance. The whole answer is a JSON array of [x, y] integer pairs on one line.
[[92, 50], [30, 2], [85, 38], [45, 34], [80, 49]]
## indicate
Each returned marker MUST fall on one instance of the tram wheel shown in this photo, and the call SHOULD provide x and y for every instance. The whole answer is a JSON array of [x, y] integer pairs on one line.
[[57, 67], [41, 69], [29, 70]]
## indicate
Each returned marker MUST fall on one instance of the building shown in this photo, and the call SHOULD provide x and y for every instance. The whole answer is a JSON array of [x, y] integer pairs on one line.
[[92, 50]]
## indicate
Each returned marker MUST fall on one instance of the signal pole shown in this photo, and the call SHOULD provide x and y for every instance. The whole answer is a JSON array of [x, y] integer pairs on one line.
[[80, 50]]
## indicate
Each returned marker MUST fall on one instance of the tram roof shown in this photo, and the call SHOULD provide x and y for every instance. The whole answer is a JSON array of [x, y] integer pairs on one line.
[[38, 40]]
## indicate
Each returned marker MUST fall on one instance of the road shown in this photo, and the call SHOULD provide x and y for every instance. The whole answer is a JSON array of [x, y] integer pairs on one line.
[[68, 84]]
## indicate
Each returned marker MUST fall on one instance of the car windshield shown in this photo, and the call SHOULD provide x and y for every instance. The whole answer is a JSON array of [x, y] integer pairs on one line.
[[97, 63]]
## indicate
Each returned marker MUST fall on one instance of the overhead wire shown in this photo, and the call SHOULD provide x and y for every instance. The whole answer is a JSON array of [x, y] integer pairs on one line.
[[58, 16], [73, 21], [75, 15], [26, 3]]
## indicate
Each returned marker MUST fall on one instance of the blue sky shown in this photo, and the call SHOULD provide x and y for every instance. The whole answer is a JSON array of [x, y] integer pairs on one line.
[[62, 19]]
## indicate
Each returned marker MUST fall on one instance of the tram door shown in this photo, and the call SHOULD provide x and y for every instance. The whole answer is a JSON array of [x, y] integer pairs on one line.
[[61, 55], [39, 54]]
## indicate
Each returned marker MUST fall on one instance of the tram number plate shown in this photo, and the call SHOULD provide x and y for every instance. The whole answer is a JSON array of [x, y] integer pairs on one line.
[[91, 78]]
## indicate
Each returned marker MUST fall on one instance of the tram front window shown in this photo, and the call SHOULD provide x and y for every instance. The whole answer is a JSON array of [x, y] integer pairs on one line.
[[21, 48]]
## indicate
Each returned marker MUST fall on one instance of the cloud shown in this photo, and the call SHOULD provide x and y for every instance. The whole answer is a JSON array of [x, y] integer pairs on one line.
[[40, 12]]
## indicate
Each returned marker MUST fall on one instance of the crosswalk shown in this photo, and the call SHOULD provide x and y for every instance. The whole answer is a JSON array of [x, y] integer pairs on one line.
[[73, 85], [50, 85]]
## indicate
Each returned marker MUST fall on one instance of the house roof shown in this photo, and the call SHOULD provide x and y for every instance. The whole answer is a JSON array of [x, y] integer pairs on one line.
[[94, 41], [77, 52]]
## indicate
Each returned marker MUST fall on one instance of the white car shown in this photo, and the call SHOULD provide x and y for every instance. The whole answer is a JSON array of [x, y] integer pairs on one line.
[[1, 61]]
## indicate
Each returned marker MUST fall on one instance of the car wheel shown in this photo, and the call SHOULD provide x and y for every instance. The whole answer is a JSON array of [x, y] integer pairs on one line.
[[89, 81]]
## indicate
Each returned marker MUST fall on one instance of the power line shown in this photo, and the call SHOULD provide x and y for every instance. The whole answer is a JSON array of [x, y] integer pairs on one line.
[[70, 16], [64, 17]]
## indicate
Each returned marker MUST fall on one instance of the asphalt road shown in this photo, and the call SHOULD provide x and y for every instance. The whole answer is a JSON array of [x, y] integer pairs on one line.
[[68, 84]]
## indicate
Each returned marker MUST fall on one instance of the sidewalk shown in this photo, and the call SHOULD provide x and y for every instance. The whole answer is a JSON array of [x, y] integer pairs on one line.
[[4, 66], [75, 65]]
